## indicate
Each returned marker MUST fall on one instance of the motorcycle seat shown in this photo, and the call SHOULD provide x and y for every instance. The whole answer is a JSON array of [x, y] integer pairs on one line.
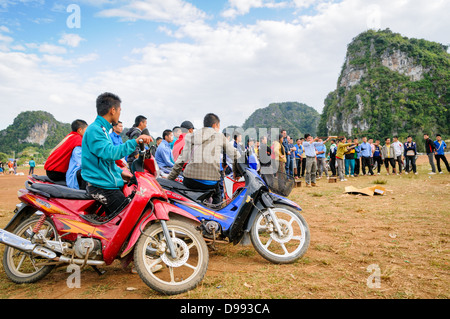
[[46, 179], [195, 194], [57, 191]]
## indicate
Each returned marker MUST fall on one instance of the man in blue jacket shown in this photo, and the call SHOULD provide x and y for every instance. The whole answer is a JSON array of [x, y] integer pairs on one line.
[[163, 155], [439, 154], [104, 178]]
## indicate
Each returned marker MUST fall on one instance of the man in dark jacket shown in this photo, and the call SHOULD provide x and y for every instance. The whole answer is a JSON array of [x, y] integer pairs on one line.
[[430, 148], [140, 123]]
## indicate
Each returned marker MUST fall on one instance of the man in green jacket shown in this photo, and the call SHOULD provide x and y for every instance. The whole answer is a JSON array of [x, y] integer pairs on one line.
[[105, 179]]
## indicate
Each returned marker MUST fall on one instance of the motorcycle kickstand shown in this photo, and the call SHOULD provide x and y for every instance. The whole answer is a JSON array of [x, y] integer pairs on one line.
[[98, 271]]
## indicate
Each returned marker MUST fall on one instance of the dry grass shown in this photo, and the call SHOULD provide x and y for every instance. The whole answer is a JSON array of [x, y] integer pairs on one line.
[[404, 233]]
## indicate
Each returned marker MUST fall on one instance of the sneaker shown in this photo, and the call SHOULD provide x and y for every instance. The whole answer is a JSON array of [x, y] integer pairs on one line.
[[313, 185], [416, 173], [406, 173], [352, 176], [378, 173], [432, 173], [441, 172]]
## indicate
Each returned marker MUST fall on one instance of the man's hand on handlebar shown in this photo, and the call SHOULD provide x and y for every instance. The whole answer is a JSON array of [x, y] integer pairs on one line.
[[145, 138]]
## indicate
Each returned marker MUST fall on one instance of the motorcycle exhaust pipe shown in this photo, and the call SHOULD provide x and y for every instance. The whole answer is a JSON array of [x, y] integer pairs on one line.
[[25, 245]]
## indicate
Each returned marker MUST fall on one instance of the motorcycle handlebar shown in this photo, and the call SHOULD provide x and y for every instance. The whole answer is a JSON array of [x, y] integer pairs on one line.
[[141, 145]]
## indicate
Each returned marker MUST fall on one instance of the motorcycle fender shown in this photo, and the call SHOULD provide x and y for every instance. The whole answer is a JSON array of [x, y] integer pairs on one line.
[[161, 212], [277, 199], [21, 213]]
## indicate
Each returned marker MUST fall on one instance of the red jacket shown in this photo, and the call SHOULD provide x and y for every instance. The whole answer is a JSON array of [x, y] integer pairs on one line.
[[59, 158], [178, 146]]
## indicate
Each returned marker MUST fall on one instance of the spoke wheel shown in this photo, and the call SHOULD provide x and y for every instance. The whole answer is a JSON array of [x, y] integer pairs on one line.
[[23, 267], [159, 270], [286, 247]]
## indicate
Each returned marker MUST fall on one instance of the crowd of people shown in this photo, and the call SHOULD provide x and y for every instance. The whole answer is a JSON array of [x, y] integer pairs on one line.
[[310, 157], [86, 157]]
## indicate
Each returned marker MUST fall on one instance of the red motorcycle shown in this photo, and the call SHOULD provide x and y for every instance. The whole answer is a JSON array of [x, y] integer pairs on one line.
[[56, 225]]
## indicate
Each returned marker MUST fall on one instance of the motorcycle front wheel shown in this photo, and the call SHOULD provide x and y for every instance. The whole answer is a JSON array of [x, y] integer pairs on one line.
[[284, 248], [159, 270], [24, 268]]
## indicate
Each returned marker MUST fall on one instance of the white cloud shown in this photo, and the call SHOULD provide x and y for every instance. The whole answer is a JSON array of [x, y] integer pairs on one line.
[[173, 11], [242, 7], [71, 39], [223, 68], [52, 49]]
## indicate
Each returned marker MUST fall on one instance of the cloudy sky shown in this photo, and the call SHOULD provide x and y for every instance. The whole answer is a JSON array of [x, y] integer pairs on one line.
[[173, 60]]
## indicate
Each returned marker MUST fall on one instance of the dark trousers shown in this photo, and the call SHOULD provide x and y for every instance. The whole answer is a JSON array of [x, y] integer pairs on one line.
[[303, 166], [410, 160], [193, 184], [81, 182], [56, 176], [112, 199], [298, 164], [366, 161], [398, 159], [333, 165], [357, 166], [31, 171], [438, 161], [379, 161], [388, 161]]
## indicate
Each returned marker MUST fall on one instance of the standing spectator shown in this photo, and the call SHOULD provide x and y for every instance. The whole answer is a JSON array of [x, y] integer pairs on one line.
[[264, 155], [117, 129], [388, 155], [410, 155], [340, 157], [430, 148], [333, 150], [310, 146], [366, 154], [303, 158], [350, 160], [321, 151], [290, 157], [377, 156], [439, 154], [57, 162], [140, 123], [298, 158], [163, 155], [32, 164], [357, 156], [371, 154], [279, 155], [398, 147]]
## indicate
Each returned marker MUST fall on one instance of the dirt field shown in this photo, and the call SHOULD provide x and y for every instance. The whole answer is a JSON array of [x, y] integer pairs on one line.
[[405, 234]]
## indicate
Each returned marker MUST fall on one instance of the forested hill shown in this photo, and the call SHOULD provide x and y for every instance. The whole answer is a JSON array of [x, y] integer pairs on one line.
[[296, 118], [33, 133], [390, 85]]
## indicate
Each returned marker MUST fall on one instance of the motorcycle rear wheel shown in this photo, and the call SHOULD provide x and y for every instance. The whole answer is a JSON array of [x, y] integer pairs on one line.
[[177, 275], [286, 248], [21, 267]]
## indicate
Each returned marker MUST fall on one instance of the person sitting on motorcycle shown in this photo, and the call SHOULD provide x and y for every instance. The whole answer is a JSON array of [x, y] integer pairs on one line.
[[202, 152], [57, 163], [163, 155], [104, 178]]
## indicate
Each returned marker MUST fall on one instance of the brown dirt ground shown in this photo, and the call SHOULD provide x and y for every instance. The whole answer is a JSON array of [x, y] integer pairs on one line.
[[405, 233]]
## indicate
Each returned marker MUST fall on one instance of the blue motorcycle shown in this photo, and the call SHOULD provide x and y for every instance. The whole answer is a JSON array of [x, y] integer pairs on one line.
[[274, 224]]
